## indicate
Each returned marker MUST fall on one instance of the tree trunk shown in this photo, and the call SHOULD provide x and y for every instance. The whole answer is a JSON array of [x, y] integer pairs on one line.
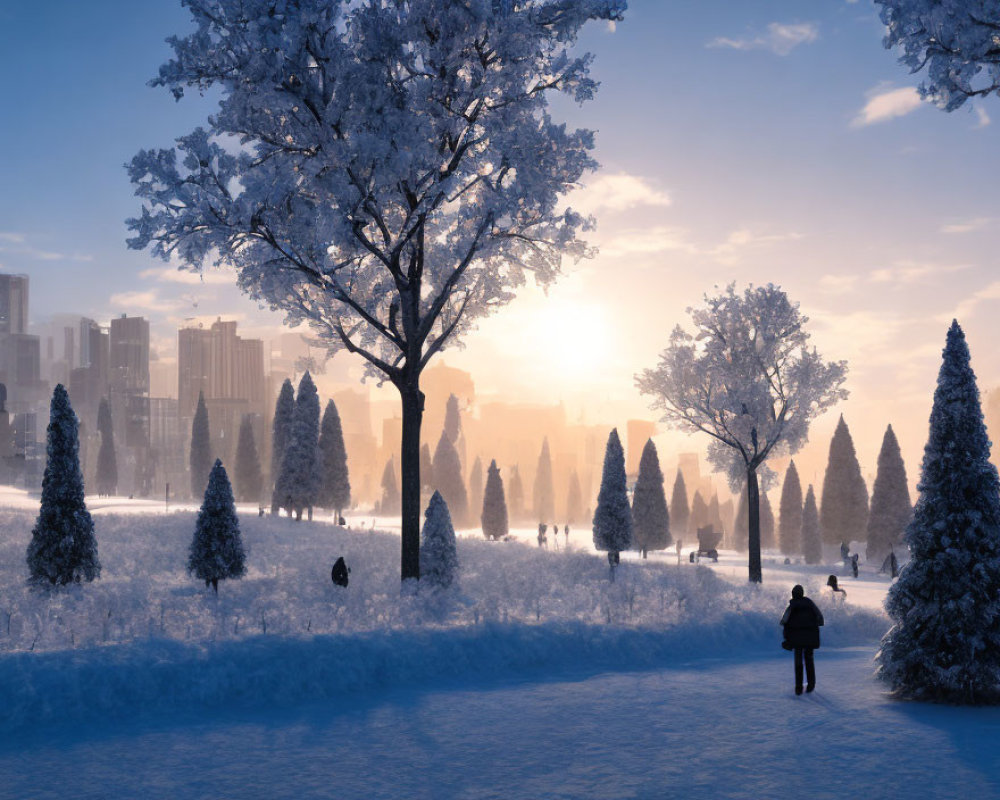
[[413, 412], [753, 503]]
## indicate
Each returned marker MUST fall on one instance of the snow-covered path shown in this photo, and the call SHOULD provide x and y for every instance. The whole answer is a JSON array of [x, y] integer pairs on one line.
[[711, 729]]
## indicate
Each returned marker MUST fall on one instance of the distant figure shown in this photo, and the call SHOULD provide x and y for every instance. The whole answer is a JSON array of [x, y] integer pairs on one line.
[[341, 521], [845, 553], [891, 564], [801, 622], [832, 583], [854, 565], [566, 535], [340, 572], [555, 536], [542, 539], [788, 561], [260, 511]]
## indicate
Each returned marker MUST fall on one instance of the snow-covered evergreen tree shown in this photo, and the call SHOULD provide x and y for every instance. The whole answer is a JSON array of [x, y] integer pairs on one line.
[[790, 513], [574, 500], [476, 486], [107, 460], [217, 548], [715, 514], [63, 548], [453, 428], [767, 537], [613, 517], [426, 468], [680, 512], [389, 503], [945, 643], [249, 479], [844, 505], [281, 427], [699, 513], [448, 479], [543, 496], [891, 510], [494, 516], [200, 457], [335, 491], [650, 518], [301, 468], [812, 538], [438, 552], [515, 504]]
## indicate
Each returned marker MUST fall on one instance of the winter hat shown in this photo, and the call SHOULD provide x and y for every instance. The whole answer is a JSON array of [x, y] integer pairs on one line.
[[798, 592]]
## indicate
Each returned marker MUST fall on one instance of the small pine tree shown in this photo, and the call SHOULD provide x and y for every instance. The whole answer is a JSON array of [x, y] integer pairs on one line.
[[651, 520], [574, 500], [680, 512], [494, 516], [438, 552], [63, 548], [812, 538], [476, 485], [389, 504], [844, 505], [249, 480], [281, 426], [945, 643], [543, 496], [613, 517], [107, 461], [301, 467], [790, 513], [766, 523], [217, 548], [448, 479], [515, 504], [335, 491], [200, 458], [890, 511], [426, 468]]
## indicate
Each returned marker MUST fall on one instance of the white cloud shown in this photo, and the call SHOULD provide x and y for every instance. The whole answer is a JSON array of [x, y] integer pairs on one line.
[[739, 241], [780, 38], [909, 272], [982, 118], [213, 277], [616, 192], [968, 307], [885, 104], [17, 244], [646, 241], [838, 284], [966, 226], [132, 302]]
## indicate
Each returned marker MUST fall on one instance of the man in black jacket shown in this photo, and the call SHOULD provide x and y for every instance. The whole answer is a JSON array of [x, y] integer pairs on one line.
[[801, 621]]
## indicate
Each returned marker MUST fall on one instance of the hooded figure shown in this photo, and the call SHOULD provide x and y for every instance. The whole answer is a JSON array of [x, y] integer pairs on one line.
[[801, 622]]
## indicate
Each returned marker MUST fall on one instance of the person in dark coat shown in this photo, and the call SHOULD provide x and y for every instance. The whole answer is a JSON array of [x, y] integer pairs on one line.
[[340, 572], [801, 621]]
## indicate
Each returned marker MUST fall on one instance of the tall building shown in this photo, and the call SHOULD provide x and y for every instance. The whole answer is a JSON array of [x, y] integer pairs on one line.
[[129, 355], [13, 304], [88, 382]]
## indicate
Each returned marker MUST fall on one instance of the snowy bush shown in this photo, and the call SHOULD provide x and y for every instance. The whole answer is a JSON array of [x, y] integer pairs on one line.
[[438, 554], [217, 550]]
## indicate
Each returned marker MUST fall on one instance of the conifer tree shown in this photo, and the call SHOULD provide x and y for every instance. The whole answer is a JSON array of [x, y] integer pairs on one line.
[[890, 511], [389, 504], [543, 496], [613, 517], [301, 468], [63, 548], [200, 458], [448, 480], [766, 523], [812, 539], [107, 461], [217, 548], [790, 513], [574, 500], [650, 518], [680, 512], [515, 505], [281, 426], [249, 479], [453, 428], [494, 516], [699, 513], [426, 468], [945, 643], [476, 486], [438, 551], [844, 505], [335, 490], [715, 514]]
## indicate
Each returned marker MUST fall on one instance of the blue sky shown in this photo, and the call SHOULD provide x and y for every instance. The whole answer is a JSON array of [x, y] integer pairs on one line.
[[735, 145]]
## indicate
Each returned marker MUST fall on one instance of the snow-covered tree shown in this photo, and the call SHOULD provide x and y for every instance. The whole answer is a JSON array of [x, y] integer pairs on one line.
[[398, 174], [494, 516], [767, 526], [249, 479], [715, 514], [812, 538], [453, 426], [200, 456], [945, 643], [680, 512], [790, 513], [448, 479], [426, 468], [476, 486], [891, 510], [301, 468], [335, 490], [747, 379], [281, 427], [956, 40], [844, 506], [543, 496], [389, 503], [107, 461], [438, 552], [63, 548], [699, 513], [217, 548], [613, 517], [574, 500], [650, 518], [515, 504]]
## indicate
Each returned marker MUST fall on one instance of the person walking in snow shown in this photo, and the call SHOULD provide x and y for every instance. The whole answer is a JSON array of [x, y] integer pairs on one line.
[[542, 538], [845, 553], [801, 622], [854, 565]]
